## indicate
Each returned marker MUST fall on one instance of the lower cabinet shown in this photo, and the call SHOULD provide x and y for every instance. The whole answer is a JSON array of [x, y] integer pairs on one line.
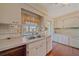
[[63, 39], [37, 48], [48, 44], [17, 51], [74, 42], [56, 38], [67, 40], [32, 52]]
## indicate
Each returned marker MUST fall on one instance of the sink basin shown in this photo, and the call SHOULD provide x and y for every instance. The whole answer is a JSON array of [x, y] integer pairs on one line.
[[38, 36], [31, 38], [34, 37]]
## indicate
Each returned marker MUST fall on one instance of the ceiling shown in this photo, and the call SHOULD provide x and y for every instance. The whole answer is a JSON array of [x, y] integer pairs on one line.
[[59, 9]]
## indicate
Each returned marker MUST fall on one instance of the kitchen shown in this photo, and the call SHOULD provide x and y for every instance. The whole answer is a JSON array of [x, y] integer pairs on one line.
[[21, 33], [43, 29]]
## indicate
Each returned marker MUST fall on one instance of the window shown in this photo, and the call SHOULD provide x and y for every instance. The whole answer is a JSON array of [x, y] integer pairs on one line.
[[30, 23]]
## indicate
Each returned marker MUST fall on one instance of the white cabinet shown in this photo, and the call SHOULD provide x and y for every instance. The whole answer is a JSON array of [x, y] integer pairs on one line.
[[37, 48], [58, 23], [32, 52], [71, 22], [56, 38], [10, 13], [48, 44], [64, 39], [41, 49], [68, 40], [74, 42], [67, 22], [61, 39]]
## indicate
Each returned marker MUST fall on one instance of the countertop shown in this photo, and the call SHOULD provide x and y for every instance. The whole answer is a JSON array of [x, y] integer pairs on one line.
[[11, 43], [32, 40]]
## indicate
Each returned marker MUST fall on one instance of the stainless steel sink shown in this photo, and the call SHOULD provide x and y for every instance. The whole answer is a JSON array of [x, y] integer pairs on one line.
[[31, 38], [38, 36]]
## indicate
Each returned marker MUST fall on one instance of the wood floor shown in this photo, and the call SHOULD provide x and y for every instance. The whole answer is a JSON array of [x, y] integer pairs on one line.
[[63, 50]]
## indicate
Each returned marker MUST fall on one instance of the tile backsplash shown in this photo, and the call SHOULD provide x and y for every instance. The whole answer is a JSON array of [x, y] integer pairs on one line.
[[7, 30]]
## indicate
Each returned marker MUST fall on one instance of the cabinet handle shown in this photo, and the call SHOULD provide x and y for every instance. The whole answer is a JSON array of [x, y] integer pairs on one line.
[[8, 38]]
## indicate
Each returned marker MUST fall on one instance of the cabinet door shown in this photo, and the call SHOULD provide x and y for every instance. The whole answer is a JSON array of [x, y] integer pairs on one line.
[[74, 42], [64, 39], [32, 52], [42, 48], [56, 37], [10, 13], [58, 23], [61, 39], [37, 48], [71, 22], [37, 51], [49, 44]]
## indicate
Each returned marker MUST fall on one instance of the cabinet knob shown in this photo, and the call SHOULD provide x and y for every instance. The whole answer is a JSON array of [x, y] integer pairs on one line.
[[8, 38]]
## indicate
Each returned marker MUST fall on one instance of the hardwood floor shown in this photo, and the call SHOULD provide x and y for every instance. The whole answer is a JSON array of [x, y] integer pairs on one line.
[[63, 50]]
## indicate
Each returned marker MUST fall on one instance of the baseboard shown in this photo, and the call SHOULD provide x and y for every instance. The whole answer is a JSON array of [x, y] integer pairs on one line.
[[66, 45]]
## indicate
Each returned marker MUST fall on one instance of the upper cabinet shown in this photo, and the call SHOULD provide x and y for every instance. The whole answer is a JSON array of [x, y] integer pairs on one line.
[[58, 23], [68, 21], [71, 22], [10, 13]]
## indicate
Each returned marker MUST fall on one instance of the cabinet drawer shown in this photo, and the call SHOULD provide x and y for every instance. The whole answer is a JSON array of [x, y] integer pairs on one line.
[[34, 44]]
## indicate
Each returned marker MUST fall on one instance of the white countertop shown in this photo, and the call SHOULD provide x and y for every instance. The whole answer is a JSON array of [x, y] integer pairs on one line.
[[11, 43], [8, 44], [32, 40]]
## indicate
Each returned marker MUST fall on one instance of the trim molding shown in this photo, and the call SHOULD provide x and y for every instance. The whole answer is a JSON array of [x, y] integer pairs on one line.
[[67, 45]]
